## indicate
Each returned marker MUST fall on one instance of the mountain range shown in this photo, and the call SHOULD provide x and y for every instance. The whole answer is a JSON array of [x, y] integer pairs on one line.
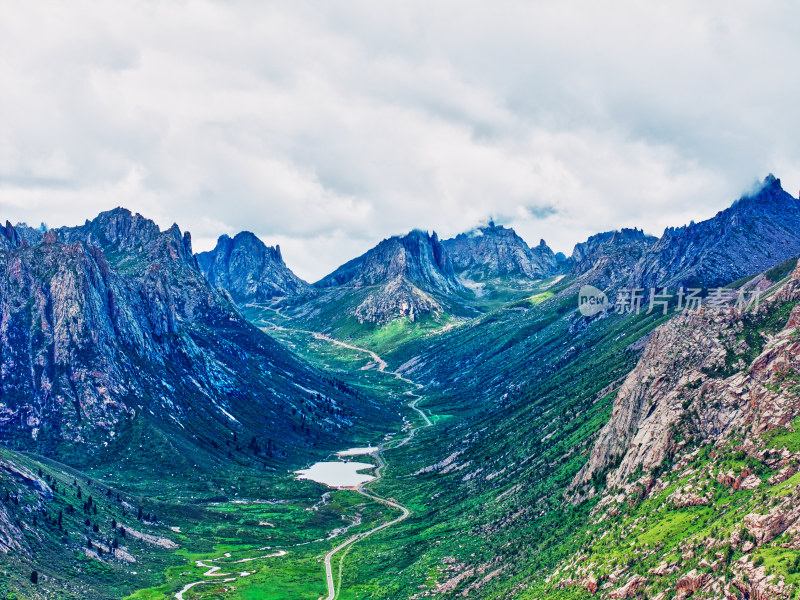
[[152, 401], [416, 276], [84, 305]]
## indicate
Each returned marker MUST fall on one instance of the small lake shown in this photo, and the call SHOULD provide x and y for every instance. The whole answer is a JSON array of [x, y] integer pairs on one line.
[[338, 474]]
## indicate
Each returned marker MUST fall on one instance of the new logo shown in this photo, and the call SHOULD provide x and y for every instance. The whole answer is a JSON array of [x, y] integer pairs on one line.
[[591, 301]]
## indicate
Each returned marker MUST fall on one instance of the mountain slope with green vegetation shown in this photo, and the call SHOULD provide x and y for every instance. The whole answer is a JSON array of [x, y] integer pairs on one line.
[[531, 451], [495, 483]]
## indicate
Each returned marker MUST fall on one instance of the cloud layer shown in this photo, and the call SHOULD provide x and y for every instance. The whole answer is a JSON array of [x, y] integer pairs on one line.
[[327, 126]]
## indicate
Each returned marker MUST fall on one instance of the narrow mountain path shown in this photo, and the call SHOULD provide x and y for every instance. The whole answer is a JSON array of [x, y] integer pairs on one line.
[[213, 571], [378, 476], [377, 359], [382, 365]]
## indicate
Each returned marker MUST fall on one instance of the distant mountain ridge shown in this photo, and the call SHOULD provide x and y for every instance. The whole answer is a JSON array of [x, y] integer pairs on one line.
[[756, 232], [250, 270], [496, 251], [411, 275]]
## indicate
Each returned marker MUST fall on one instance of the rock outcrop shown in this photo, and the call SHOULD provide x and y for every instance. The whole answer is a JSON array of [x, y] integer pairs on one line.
[[693, 372], [495, 251], [407, 276], [250, 270]]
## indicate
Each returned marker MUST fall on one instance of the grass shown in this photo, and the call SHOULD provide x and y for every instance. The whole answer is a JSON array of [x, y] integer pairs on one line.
[[781, 437], [778, 272], [295, 528]]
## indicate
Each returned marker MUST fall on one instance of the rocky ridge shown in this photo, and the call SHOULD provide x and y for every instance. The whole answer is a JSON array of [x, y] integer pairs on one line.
[[112, 323], [606, 260], [496, 251], [250, 270], [705, 422], [702, 363], [758, 231]]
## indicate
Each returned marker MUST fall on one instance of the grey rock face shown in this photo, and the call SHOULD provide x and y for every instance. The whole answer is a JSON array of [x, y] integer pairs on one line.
[[410, 275], [250, 270], [672, 382], [495, 251], [757, 232], [398, 298], [113, 322], [608, 259]]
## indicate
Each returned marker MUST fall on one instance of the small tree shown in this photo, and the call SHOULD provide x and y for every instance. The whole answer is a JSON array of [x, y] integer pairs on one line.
[[34, 577]]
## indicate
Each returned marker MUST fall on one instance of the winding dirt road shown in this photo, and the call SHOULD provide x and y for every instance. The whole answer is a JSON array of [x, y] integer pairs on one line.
[[361, 490], [416, 398], [378, 475]]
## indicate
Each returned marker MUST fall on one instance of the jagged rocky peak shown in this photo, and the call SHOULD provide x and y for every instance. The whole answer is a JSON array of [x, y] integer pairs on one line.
[[119, 227], [19, 235], [132, 241], [497, 251], [9, 238], [418, 257], [250, 270], [756, 232], [608, 259], [631, 242], [402, 277]]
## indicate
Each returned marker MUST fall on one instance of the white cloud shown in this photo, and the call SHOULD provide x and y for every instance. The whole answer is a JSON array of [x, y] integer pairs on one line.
[[327, 127]]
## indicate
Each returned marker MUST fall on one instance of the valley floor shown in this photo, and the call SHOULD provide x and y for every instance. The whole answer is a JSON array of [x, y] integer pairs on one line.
[[303, 569]]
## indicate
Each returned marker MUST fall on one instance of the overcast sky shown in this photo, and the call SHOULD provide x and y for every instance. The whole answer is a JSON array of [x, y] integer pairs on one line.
[[328, 126]]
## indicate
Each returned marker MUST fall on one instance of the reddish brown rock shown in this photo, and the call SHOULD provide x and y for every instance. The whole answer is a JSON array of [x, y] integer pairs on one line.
[[689, 584]]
